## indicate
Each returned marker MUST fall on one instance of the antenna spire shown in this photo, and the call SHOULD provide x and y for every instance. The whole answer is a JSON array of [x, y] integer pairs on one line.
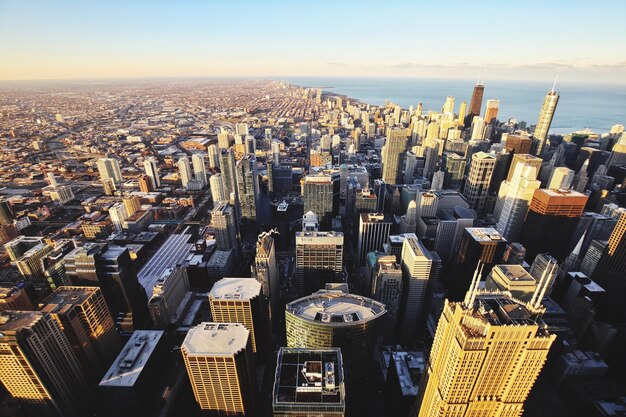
[[555, 80]]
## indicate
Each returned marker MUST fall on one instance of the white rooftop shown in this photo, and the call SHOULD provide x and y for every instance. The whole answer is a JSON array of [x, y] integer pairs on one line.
[[336, 307], [216, 339], [235, 289]]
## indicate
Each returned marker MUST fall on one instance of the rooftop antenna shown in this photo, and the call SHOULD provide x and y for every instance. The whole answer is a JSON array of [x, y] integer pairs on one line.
[[555, 80], [538, 287], [471, 294]]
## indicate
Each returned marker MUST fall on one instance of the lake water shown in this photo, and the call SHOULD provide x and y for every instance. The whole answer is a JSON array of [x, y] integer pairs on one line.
[[596, 106]]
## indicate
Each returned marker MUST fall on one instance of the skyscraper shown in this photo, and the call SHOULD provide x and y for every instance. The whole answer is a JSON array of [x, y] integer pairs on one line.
[[213, 156], [491, 110], [152, 171], [374, 230], [27, 253], [83, 315], [545, 119], [226, 228], [513, 201], [319, 260], [417, 265], [247, 187], [321, 196], [266, 272], [392, 155], [476, 102], [220, 365], [561, 178], [238, 300], [184, 169], [525, 159], [38, 366], [486, 356], [199, 169], [227, 169], [387, 285], [109, 168], [477, 184]]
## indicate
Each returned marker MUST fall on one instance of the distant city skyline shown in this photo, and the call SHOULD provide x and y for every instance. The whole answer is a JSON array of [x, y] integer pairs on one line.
[[529, 41]]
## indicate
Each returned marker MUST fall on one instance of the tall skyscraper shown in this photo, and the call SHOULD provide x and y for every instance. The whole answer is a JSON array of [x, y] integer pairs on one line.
[[109, 168], [477, 184], [213, 156], [392, 155], [374, 229], [321, 196], [514, 199], [227, 169], [145, 184], [83, 315], [387, 285], [545, 119], [266, 272], [525, 159], [152, 171], [238, 300], [476, 102], [486, 356], [184, 169], [417, 265], [220, 365], [226, 229], [199, 169], [618, 153], [6, 212], [218, 192], [561, 178], [319, 260], [247, 187], [38, 366], [491, 110], [27, 254]]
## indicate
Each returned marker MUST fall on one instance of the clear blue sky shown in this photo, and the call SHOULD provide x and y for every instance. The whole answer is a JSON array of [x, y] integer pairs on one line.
[[579, 40]]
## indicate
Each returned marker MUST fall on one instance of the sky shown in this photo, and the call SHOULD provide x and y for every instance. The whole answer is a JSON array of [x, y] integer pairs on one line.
[[581, 41]]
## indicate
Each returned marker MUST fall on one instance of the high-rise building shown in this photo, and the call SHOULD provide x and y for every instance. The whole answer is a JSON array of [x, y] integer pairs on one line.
[[309, 382], [329, 319], [38, 366], [408, 222], [454, 167], [213, 156], [27, 254], [486, 356], [225, 227], [247, 187], [561, 178], [545, 264], [227, 169], [387, 285], [152, 171], [218, 192], [319, 260], [551, 221], [84, 317], [145, 184], [6, 212], [220, 365], [199, 169], [477, 185], [476, 102], [223, 140], [514, 279], [609, 272], [514, 199], [523, 159], [374, 229], [13, 297], [238, 300], [417, 267], [618, 153], [491, 110], [545, 120], [184, 170], [266, 272], [109, 168], [169, 298], [392, 155], [321, 196], [518, 143]]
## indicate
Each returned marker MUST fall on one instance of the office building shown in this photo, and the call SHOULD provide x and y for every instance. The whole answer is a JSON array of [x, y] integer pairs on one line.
[[518, 143], [491, 110], [329, 319], [170, 296], [551, 221], [386, 287], [15, 297], [266, 272], [213, 156], [544, 264], [129, 387], [247, 187], [145, 184], [321, 196], [83, 315], [6, 212], [408, 222], [319, 260], [227, 169], [392, 155], [453, 166], [561, 179], [479, 345], [514, 279], [226, 229], [199, 169], [152, 171], [184, 170], [477, 185], [476, 102], [545, 120], [238, 300], [417, 268], [309, 382], [109, 168], [218, 191], [618, 153], [27, 254], [374, 229], [220, 365], [38, 366], [523, 159], [514, 199]]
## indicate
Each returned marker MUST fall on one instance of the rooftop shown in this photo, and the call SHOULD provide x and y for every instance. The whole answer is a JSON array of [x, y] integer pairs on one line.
[[13, 321], [484, 234], [336, 308], [129, 364], [64, 297], [235, 289], [409, 368], [514, 273], [216, 339]]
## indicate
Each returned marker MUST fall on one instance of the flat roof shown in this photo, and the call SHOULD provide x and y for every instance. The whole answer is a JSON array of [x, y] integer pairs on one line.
[[132, 360], [13, 321], [409, 368], [336, 308], [485, 234], [308, 377], [216, 339], [235, 289], [515, 273], [66, 296]]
